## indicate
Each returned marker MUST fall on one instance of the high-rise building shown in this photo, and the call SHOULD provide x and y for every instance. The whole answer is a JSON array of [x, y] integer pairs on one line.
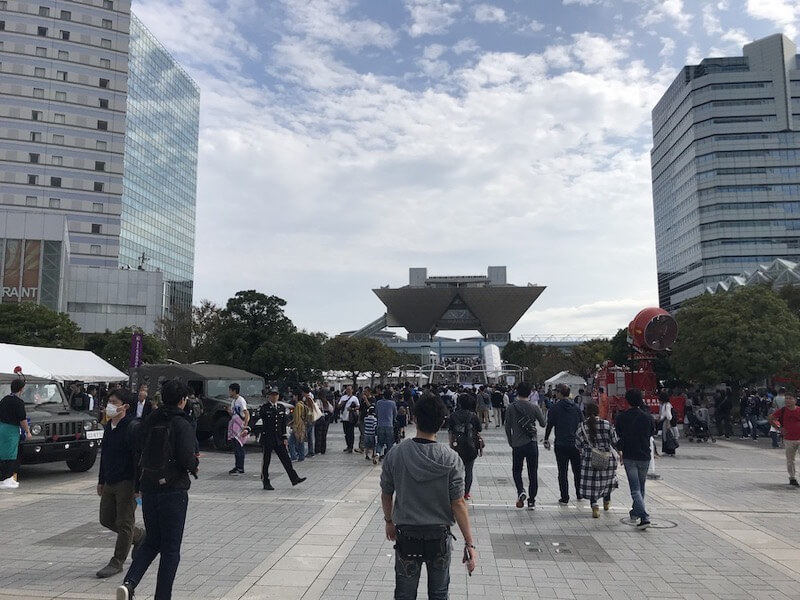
[[726, 168], [99, 126]]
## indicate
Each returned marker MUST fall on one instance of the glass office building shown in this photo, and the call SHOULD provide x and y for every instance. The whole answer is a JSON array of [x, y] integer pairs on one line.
[[726, 169], [159, 187]]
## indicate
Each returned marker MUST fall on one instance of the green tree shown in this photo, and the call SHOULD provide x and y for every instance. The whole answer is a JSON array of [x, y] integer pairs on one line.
[[357, 355], [116, 347], [523, 354], [585, 357], [739, 337], [30, 324], [620, 349], [553, 360], [295, 357]]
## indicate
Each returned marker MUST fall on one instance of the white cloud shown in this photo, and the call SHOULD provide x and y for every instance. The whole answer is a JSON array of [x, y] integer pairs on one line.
[[465, 46], [694, 55], [784, 14], [581, 2], [597, 52], [535, 25], [737, 38], [711, 23], [486, 13], [431, 16], [667, 47], [660, 10]]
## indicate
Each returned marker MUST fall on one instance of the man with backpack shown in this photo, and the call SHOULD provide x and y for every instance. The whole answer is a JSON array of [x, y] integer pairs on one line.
[[787, 420], [464, 428], [565, 417], [348, 408], [521, 418], [166, 459]]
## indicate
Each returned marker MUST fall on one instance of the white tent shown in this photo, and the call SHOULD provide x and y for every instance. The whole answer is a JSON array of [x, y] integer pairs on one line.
[[574, 382], [58, 364]]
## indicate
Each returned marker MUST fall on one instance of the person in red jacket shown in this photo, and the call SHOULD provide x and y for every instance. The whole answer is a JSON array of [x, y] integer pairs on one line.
[[787, 420]]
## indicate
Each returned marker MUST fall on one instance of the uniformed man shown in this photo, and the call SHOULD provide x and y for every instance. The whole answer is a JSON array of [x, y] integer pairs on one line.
[[274, 420]]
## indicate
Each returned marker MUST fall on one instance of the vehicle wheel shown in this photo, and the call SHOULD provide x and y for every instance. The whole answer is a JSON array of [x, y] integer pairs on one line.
[[84, 462], [221, 441]]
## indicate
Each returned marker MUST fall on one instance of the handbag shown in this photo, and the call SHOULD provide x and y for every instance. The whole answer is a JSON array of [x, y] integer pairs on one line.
[[316, 413], [600, 459]]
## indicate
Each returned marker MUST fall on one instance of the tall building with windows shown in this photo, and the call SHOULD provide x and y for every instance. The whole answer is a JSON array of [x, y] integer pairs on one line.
[[726, 168], [98, 125]]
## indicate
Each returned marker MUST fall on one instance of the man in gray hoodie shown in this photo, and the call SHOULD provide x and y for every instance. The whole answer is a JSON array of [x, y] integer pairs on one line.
[[422, 485]]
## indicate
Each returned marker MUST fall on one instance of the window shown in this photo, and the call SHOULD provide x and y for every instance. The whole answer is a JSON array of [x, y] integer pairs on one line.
[[55, 202], [94, 249], [58, 140], [44, 11], [103, 83], [107, 24], [61, 96], [36, 115], [102, 125], [33, 179], [2, 25], [105, 63], [96, 228], [59, 118], [41, 51], [38, 72], [3, 4], [108, 4], [38, 93], [31, 200], [66, 15], [98, 186], [64, 34], [63, 55], [36, 136], [62, 75], [101, 145], [105, 43], [55, 182], [57, 160], [97, 207], [99, 165], [33, 157], [103, 102], [41, 31]]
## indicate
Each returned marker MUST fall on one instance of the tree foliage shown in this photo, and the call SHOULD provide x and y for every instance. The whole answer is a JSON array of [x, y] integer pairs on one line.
[[739, 337], [359, 355], [584, 358], [30, 324], [542, 362], [116, 347]]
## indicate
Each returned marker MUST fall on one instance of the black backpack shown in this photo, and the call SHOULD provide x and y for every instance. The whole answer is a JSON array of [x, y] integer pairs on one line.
[[157, 457], [465, 441]]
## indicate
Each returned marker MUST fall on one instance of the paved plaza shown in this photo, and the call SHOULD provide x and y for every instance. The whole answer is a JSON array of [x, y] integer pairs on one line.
[[725, 525]]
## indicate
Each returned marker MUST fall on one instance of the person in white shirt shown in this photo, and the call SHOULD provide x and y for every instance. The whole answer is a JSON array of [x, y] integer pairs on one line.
[[143, 406], [348, 407], [238, 408]]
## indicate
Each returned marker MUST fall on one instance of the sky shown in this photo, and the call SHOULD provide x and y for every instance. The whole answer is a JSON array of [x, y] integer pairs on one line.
[[344, 141]]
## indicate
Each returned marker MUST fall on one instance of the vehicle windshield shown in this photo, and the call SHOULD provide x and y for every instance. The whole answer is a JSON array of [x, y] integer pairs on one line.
[[35, 394], [250, 388]]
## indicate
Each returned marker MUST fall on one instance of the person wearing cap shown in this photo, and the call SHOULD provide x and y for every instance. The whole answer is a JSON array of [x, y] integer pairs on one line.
[[274, 421]]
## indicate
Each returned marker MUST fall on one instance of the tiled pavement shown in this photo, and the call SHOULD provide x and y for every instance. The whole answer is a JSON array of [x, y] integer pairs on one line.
[[726, 526]]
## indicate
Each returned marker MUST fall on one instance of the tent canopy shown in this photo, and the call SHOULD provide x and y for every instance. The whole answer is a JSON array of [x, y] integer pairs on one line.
[[58, 364], [574, 382]]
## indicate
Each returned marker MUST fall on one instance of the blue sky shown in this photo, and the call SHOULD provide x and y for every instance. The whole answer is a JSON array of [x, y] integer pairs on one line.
[[343, 141]]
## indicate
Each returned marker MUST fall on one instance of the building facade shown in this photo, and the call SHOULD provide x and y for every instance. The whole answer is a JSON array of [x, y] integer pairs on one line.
[[726, 168], [98, 124]]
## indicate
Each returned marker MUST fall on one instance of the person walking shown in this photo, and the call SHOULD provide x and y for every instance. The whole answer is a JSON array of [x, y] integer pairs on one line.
[[275, 420], [143, 404], [321, 425], [464, 428], [167, 459], [520, 425], [369, 436], [596, 440], [484, 402], [565, 418], [635, 429], [12, 418], [239, 427], [723, 405], [668, 419], [348, 409], [422, 495], [386, 412], [299, 422], [787, 420], [115, 480], [496, 400], [312, 413]]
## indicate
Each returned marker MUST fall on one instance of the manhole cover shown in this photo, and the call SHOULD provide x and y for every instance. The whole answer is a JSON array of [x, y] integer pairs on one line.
[[572, 548], [654, 524]]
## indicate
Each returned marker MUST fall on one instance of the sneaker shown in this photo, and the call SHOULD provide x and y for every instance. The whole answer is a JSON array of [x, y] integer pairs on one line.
[[268, 487], [374, 461], [8, 484], [347, 450], [563, 500], [298, 480], [234, 471], [125, 591], [366, 456], [793, 482], [359, 450], [595, 512], [108, 571], [521, 500], [643, 524], [531, 503], [467, 496], [606, 505]]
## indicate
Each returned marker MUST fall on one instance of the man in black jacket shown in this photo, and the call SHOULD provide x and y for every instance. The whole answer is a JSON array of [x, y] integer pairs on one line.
[[115, 481], [167, 458], [635, 429], [566, 418], [275, 419]]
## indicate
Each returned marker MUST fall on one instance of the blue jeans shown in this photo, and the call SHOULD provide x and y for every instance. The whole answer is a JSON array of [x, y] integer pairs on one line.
[[310, 438], [385, 439], [636, 470], [528, 453], [297, 450], [164, 518], [238, 453], [407, 572]]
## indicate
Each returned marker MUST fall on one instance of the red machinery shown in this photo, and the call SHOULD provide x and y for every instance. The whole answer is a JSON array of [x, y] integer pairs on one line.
[[653, 330]]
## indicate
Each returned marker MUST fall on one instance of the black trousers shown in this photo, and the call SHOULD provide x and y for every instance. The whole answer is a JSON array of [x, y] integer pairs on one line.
[[321, 435], [283, 455], [724, 424], [468, 467], [528, 453], [568, 455], [8, 468], [349, 433]]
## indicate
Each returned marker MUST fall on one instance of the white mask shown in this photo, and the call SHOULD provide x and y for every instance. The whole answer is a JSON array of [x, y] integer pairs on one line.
[[111, 411]]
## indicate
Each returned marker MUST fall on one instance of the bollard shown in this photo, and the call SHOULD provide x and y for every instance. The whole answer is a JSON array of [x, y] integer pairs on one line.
[[651, 471]]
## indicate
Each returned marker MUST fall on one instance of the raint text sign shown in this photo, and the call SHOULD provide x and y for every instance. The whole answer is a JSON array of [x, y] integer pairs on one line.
[[20, 292]]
